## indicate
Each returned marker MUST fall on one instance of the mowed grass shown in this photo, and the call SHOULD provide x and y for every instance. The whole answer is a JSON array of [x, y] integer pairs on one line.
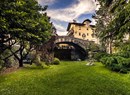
[[68, 78]]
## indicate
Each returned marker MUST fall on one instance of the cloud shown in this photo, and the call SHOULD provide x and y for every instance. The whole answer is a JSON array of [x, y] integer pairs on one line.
[[61, 30], [73, 11], [46, 2], [93, 21], [61, 33]]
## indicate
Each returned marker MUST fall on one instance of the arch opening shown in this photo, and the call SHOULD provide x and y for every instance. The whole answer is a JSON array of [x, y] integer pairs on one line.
[[69, 51]]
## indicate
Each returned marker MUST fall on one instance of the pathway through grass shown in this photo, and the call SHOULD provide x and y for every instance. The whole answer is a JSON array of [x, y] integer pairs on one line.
[[68, 78]]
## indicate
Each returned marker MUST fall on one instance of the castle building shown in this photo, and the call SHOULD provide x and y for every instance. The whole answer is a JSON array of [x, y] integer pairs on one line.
[[83, 31]]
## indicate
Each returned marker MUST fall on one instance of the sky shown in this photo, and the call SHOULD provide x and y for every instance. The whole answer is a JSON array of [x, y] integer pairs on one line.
[[64, 11]]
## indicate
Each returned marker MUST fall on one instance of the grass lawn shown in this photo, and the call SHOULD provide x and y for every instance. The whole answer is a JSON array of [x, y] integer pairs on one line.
[[68, 78]]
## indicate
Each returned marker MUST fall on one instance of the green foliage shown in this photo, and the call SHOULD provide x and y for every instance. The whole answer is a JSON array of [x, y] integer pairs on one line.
[[125, 54], [94, 47], [37, 60], [113, 21], [6, 61], [123, 49], [98, 55], [117, 63], [56, 61], [26, 23], [10, 62], [114, 18], [1, 64]]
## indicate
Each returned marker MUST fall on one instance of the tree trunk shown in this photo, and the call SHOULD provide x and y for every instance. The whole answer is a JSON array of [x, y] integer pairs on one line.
[[21, 57], [110, 47], [110, 44]]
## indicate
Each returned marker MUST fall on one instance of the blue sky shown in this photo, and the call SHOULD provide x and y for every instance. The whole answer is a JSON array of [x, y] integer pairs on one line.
[[64, 11]]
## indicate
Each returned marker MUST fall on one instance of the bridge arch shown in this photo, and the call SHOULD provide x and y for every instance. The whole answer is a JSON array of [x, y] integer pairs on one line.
[[78, 44]]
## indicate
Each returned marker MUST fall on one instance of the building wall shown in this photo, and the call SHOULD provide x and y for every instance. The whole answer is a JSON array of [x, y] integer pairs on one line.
[[85, 32]]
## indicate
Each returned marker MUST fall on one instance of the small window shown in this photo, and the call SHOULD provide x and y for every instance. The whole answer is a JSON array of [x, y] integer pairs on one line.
[[87, 29], [87, 34], [76, 32], [79, 34], [92, 35]]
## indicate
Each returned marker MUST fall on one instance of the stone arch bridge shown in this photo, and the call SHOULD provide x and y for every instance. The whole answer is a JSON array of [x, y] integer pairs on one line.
[[79, 44], [66, 39], [49, 50]]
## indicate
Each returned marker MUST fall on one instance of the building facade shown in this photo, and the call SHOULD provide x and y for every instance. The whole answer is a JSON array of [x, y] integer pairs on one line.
[[83, 31]]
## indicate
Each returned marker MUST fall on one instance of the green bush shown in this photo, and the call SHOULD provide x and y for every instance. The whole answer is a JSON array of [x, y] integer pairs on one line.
[[125, 54], [10, 62], [124, 70], [5, 61], [1, 64], [117, 63], [103, 60], [110, 61], [37, 60], [56, 61], [98, 55], [116, 67]]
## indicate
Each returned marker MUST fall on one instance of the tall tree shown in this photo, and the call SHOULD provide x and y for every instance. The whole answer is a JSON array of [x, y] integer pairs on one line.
[[26, 24], [113, 21]]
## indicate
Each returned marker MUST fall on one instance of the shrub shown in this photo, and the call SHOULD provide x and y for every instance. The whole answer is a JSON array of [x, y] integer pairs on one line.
[[37, 60], [5, 61], [103, 60], [56, 61], [98, 55], [10, 62], [94, 47], [117, 63], [110, 61], [1, 64], [116, 67], [125, 54], [124, 70]]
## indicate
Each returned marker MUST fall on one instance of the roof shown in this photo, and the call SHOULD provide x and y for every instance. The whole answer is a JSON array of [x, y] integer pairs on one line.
[[80, 24], [87, 20]]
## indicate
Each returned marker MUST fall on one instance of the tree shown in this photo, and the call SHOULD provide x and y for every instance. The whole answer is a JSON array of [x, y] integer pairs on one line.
[[113, 21], [26, 25], [103, 19]]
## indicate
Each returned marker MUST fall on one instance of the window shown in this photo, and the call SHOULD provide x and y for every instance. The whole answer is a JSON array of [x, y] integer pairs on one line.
[[84, 36], [92, 35], [87, 29], [79, 34], [87, 34]]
